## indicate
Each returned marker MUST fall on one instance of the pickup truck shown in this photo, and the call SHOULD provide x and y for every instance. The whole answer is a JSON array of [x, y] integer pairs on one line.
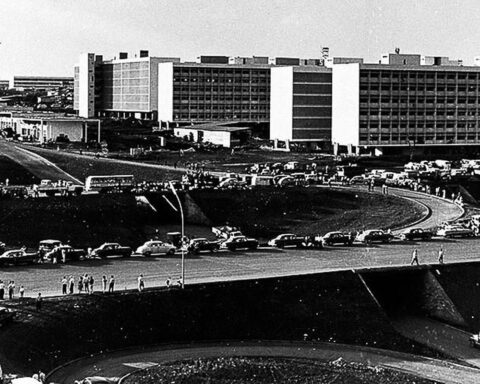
[[240, 242], [111, 249], [18, 256], [226, 232], [287, 240]]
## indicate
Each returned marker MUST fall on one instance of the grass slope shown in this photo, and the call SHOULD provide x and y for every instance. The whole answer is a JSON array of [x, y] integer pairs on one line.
[[269, 212]]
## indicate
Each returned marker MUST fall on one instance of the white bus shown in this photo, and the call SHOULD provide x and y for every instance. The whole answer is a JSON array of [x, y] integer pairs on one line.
[[109, 183]]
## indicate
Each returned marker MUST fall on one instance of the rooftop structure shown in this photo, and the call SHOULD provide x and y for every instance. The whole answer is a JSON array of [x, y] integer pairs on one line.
[[41, 82]]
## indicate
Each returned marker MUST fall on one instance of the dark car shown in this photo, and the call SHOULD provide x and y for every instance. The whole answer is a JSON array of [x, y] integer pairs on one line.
[[375, 236], [198, 245], [6, 315], [112, 249], [332, 238], [71, 254], [416, 234], [287, 240], [18, 256], [240, 242]]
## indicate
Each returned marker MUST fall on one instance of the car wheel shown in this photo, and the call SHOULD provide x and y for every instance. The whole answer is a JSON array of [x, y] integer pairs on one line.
[[172, 252], [147, 254]]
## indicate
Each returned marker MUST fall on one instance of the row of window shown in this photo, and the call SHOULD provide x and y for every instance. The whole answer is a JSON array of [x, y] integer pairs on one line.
[[417, 75], [206, 116], [418, 125], [418, 139], [418, 88]]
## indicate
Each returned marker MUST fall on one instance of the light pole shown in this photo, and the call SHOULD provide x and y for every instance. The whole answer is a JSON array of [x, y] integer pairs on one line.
[[183, 232]]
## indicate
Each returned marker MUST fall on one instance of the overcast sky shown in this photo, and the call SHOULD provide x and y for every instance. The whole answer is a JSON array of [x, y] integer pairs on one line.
[[45, 37]]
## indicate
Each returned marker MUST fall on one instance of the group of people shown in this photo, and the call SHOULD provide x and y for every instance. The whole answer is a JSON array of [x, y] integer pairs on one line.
[[414, 260], [86, 283], [9, 289]]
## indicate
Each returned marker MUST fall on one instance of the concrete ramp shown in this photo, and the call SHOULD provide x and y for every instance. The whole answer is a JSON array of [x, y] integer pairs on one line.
[[439, 336]]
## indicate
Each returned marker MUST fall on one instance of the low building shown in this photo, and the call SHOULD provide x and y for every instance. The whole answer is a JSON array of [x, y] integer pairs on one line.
[[4, 84], [41, 82], [47, 127], [226, 135]]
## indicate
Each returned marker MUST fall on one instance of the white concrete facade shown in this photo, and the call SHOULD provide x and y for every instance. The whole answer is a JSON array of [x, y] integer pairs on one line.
[[281, 103], [86, 85], [346, 104], [165, 92]]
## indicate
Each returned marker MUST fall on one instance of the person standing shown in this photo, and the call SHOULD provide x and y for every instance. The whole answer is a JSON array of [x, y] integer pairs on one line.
[[414, 257], [38, 302], [440, 255], [80, 284], [168, 282], [2, 290], [111, 285], [104, 283], [21, 291], [86, 281], [11, 289], [64, 285], [91, 282], [71, 284], [141, 283]]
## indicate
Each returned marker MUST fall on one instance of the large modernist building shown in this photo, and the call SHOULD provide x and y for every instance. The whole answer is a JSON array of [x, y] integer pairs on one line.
[[383, 107], [203, 92], [301, 104], [215, 88]]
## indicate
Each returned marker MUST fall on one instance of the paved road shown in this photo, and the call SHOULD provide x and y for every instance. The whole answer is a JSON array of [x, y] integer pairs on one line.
[[223, 266], [35, 164], [121, 363], [452, 341]]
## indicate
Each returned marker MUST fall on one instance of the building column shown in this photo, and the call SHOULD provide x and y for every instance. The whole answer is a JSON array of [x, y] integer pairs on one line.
[[287, 145], [98, 131], [335, 149]]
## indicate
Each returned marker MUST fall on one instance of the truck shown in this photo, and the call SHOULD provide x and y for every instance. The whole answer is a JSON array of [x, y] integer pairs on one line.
[[110, 183], [226, 232], [50, 188]]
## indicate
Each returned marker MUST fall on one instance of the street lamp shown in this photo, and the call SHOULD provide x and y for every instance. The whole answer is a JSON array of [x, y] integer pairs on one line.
[[183, 228]]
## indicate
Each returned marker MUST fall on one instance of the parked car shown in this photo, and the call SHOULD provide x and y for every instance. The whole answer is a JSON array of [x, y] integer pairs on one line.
[[474, 340], [312, 242], [111, 249], [287, 240], [416, 234], [332, 238], [6, 315], [18, 256], [455, 230], [155, 248], [71, 254], [375, 236], [201, 244], [240, 242], [359, 179]]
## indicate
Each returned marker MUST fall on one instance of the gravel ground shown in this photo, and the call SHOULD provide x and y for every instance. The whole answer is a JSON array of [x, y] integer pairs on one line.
[[238, 370]]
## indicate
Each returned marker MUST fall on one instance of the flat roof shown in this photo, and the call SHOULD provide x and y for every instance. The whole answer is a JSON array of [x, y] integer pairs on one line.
[[431, 68], [223, 127], [40, 116]]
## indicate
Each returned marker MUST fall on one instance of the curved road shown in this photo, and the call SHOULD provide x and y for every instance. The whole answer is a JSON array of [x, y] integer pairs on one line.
[[118, 364]]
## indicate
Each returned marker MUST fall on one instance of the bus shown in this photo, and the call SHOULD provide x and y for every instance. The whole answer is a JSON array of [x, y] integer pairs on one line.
[[111, 183]]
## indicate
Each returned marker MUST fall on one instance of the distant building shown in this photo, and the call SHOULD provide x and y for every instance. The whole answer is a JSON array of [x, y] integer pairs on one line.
[[4, 84], [225, 134], [301, 105], [47, 127], [41, 82]]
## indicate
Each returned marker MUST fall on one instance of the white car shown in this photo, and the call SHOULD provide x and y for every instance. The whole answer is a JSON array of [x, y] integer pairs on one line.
[[455, 230], [156, 247]]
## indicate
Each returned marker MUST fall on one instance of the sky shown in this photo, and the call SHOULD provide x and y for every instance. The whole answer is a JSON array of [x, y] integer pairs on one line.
[[45, 37]]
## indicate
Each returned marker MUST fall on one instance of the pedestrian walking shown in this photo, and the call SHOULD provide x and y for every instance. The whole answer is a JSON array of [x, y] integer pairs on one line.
[[11, 289], [440, 255], [64, 285], [38, 302], [86, 281], [71, 283], [21, 291], [104, 283], [414, 257], [141, 283], [111, 284]]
